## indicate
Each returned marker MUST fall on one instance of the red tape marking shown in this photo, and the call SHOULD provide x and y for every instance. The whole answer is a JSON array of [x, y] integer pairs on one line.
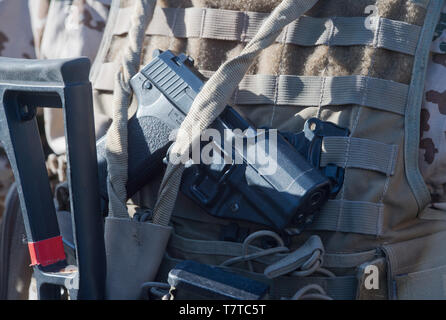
[[46, 252]]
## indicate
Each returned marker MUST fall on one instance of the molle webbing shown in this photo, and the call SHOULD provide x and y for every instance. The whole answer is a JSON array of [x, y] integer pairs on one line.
[[227, 249], [359, 153], [242, 26], [350, 216], [334, 68], [353, 93], [289, 90], [342, 287]]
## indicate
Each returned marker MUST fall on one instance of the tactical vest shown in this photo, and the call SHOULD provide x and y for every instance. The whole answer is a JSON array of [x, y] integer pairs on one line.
[[338, 65]]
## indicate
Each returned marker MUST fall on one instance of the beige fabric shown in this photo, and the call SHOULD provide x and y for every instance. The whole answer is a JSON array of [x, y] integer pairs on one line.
[[71, 29], [242, 26], [16, 41], [286, 90], [117, 136], [39, 12], [433, 118], [134, 252], [387, 204], [16, 37]]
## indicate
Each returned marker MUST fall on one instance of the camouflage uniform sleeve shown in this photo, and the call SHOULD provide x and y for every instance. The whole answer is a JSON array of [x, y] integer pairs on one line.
[[16, 37], [72, 29], [433, 119], [16, 41], [38, 12]]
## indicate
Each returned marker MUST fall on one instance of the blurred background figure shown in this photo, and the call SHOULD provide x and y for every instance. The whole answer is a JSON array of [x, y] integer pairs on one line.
[[16, 41], [43, 29]]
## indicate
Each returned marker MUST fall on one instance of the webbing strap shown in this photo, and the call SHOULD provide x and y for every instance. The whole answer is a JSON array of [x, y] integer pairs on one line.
[[341, 288], [307, 91], [359, 153], [308, 31], [234, 249], [303, 90], [350, 216]]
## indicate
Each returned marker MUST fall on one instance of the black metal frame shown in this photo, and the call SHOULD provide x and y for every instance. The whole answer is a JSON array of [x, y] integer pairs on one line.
[[24, 86]]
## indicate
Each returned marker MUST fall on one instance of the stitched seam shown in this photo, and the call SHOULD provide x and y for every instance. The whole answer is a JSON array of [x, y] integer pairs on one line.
[[203, 18], [276, 89], [321, 95], [387, 182], [319, 112], [244, 27], [377, 34]]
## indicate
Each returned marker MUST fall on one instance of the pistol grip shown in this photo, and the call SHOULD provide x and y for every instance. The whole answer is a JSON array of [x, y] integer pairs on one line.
[[148, 141]]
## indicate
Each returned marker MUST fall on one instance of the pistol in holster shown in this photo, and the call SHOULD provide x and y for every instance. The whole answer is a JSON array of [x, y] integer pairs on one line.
[[240, 189]]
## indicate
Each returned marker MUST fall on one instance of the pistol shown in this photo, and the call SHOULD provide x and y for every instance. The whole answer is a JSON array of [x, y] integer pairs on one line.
[[165, 90]]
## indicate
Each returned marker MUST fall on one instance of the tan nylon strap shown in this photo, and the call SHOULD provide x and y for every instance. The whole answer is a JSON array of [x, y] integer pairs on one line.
[[214, 96], [241, 26], [305, 91], [117, 135], [350, 216], [228, 249], [359, 153]]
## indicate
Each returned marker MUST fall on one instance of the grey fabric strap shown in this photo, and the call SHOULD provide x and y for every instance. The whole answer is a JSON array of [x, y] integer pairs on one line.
[[350, 216], [349, 260], [234, 249], [307, 90], [359, 153], [304, 90], [308, 31]]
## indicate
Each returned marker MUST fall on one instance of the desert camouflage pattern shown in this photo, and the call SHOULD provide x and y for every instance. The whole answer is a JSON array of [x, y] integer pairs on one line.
[[48, 29], [38, 14], [433, 119], [73, 29], [16, 41], [16, 37], [45, 29]]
